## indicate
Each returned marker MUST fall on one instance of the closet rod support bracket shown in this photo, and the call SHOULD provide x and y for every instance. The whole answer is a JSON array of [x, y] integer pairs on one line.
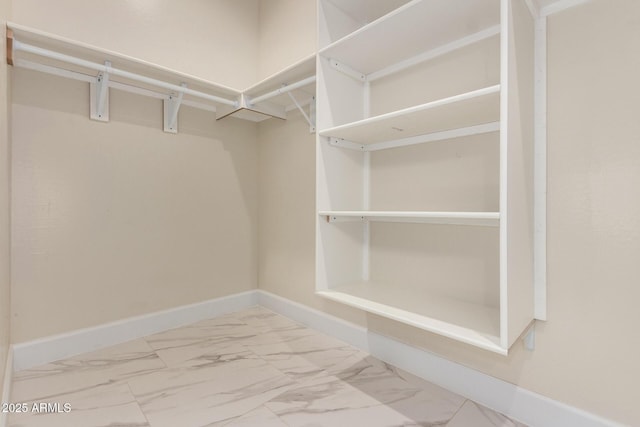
[[99, 94], [171, 108]]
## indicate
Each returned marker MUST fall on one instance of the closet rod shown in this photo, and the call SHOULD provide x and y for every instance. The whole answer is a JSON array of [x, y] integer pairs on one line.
[[283, 89], [19, 46]]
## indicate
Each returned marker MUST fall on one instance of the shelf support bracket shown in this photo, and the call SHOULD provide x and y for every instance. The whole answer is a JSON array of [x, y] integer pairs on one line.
[[311, 118], [343, 143], [530, 338], [9, 46], [171, 109], [345, 69], [100, 96]]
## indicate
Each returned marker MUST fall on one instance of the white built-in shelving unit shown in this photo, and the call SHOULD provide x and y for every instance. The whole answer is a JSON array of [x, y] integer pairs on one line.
[[425, 122]]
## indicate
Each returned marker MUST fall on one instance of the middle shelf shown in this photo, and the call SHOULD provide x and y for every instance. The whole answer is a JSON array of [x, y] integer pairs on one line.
[[478, 107], [491, 219]]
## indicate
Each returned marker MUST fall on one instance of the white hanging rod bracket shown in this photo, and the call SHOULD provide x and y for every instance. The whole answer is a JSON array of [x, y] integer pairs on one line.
[[345, 69], [312, 124], [99, 95], [343, 143], [283, 89], [171, 109], [19, 46]]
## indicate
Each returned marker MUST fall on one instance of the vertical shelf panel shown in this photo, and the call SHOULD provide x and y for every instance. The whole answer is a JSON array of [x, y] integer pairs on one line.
[[518, 182]]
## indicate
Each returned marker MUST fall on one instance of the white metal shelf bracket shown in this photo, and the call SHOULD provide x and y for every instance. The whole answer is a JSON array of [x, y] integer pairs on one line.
[[345, 69], [311, 119], [343, 143], [100, 95], [171, 109]]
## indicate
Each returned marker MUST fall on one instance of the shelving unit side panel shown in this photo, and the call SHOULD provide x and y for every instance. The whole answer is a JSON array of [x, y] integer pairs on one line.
[[340, 97], [339, 253], [519, 179], [463, 70]]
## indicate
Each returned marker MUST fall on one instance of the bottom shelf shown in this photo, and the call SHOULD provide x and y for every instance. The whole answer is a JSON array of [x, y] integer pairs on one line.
[[471, 323]]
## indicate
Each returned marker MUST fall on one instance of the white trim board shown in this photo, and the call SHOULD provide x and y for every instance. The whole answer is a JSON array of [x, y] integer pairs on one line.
[[56, 347], [509, 399], [6, 386]]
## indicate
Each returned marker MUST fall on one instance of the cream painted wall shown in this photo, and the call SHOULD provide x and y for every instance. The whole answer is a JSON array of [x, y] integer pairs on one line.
[[5, 170], [287, 33], [587, 352], [118, 219], [212, 39]]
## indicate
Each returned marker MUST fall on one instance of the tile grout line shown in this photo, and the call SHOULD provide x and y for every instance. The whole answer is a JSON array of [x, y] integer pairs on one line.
[[138, 403], [464, 402]]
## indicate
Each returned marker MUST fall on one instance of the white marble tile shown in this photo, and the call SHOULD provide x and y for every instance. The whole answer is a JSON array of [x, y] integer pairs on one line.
[[108, 366], [473, 415], [260, 417], [102, 406], [178, 345], [365, 382], [208, 389]]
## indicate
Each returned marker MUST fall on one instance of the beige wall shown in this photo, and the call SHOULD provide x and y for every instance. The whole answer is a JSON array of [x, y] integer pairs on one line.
[[587, 352], [5, 167], [212, 39], [117, 219], [287, 33]]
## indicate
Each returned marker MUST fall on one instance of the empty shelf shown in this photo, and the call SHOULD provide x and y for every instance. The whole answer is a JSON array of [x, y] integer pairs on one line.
[[471, 323], [93, 54], [432, 24], [452, 218], [459, 111]]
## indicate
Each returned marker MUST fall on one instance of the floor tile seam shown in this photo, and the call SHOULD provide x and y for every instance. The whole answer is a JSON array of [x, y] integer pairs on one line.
[[276, 415], [135, 399], [458, 411]]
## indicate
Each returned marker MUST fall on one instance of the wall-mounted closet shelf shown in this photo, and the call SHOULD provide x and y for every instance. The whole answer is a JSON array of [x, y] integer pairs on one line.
[[416, 27], [104, 69], [290, 88], [491, 219], [474, 324], [460, 111]]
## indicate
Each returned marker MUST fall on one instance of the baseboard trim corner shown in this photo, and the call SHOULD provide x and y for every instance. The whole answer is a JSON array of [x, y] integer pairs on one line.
[[49, 349]]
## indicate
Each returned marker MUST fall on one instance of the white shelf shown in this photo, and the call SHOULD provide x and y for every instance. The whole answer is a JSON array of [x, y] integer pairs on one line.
[[465, 110], [296, 72], [98, 55], [452, 218], [471, 323], [417, 27]]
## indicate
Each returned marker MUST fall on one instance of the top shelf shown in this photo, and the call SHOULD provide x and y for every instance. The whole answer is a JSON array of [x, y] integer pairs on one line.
[[86, 52], [433, 23], [297, 72]]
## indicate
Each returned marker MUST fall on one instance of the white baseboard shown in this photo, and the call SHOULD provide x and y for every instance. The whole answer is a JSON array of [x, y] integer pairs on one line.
[[5, 397], [56, 347], [316, 319], [518, 403]]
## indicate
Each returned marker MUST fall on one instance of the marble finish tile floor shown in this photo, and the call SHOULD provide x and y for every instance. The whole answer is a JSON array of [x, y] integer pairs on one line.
[[252, 368]]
